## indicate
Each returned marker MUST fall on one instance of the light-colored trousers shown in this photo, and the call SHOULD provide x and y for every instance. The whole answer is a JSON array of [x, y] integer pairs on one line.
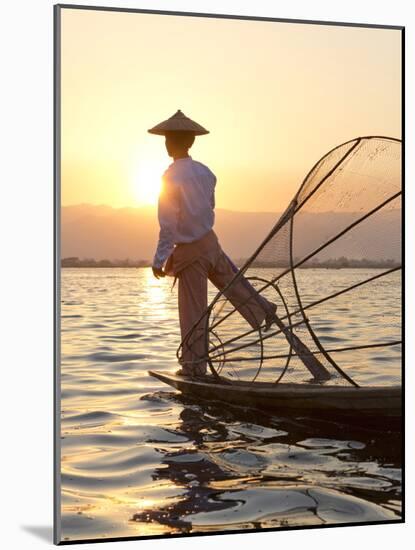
[[194, 264]]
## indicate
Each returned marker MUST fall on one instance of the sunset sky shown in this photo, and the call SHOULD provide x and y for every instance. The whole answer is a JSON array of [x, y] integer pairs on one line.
[[275, 97]]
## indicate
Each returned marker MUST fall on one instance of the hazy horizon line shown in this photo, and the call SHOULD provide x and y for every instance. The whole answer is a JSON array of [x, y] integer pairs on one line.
[[154, 207]]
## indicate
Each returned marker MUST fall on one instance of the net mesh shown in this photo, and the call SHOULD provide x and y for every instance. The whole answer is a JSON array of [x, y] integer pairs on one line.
[[330, 322]]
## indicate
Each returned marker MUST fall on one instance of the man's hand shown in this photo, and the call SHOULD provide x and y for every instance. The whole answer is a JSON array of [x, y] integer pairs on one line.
[[158, 272]]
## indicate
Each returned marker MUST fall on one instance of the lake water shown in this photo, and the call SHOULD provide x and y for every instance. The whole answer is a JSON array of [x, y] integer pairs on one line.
[[140, 459]]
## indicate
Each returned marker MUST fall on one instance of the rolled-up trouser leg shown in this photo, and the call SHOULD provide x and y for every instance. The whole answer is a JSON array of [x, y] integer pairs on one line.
[[251, 305], [192, 303], [268, 306]]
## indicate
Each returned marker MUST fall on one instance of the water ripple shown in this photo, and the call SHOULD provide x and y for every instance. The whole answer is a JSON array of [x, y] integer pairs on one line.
[[140, 459]]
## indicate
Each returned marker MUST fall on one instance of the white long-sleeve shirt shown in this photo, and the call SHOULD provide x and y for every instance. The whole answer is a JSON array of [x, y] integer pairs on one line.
[[185, 206]]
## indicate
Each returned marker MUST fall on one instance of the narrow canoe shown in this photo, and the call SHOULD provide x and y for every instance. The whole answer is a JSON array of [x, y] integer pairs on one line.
[[380, 402]]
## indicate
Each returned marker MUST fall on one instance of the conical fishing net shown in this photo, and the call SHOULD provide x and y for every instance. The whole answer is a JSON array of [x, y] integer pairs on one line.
[[331, 265]]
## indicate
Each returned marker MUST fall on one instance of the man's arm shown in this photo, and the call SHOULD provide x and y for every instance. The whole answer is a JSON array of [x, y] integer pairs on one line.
[[168, 211]]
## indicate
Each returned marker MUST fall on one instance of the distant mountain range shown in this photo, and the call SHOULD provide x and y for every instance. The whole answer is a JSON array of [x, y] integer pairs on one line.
[[103, 232]]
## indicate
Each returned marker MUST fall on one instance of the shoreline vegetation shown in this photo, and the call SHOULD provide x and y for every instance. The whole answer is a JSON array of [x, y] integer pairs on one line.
[[332, 263]]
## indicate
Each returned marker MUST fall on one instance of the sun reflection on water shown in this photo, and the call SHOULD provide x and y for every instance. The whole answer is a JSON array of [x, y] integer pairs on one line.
[[138, 459], [157, 295]]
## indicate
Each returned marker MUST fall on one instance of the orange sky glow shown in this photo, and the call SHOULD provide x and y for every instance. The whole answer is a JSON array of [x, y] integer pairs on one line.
[[275, 97]]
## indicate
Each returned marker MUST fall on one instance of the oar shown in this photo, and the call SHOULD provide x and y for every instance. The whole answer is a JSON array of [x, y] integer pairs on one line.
[[309, 360]]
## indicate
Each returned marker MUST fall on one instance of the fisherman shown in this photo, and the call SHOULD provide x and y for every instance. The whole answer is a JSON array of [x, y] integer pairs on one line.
[[188, 247]]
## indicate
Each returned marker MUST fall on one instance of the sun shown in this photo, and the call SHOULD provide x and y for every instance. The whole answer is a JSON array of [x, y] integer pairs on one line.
[[147, 181]]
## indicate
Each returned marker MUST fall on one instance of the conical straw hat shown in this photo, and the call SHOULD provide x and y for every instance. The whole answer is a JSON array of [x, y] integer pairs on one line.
[[179, 122]]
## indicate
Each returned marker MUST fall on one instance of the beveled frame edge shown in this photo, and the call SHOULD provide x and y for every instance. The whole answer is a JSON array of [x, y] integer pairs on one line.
[[57, 273], [57, 9]]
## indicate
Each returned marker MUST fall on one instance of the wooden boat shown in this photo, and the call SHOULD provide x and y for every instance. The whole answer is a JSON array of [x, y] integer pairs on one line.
[[375, 402]]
